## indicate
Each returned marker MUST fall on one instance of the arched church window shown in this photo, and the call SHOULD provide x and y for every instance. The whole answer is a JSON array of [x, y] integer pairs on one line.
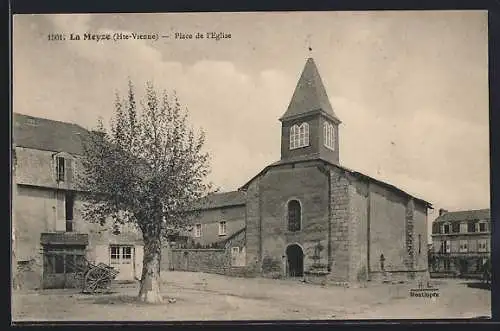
[[299, 136], [294, 215], [329, 135]]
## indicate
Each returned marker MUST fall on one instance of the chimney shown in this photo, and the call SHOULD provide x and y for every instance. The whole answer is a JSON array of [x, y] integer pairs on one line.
[[442, 211]]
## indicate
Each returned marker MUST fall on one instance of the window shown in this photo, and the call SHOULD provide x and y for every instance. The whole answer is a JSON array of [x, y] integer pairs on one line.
[[197, 230], [481, 245], [482, 227], [446, 265], [463, 246], [126, 255], [127, 252], [294, 215], [31, 121], [63, 260], [222, 228], [435, 228], [70, 263], [463, 227], [299, 136], [120, 254], [329, 135], [455, 227], [235, 250], [471, 226], [69, 204], [445, 246], [419, 243], [59, 264], [115, 254], [446, 228], [60, 169]]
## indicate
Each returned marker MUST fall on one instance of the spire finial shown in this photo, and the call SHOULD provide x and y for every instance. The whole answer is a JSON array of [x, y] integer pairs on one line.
[[309, 45]]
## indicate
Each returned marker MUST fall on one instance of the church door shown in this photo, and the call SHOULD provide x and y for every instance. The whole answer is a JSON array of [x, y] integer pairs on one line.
[[295, 260]]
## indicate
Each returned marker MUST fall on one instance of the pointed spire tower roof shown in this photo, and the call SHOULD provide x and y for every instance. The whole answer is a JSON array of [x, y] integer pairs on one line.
[[309, 96]]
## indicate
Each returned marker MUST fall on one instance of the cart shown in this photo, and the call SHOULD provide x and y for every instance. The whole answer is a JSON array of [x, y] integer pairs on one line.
[[95, 278]]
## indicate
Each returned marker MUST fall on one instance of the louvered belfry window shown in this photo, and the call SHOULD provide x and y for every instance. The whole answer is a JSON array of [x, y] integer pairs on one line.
[[299, 136]]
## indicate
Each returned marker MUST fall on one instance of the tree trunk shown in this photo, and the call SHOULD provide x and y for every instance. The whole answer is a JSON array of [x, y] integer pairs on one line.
[[150, 280]]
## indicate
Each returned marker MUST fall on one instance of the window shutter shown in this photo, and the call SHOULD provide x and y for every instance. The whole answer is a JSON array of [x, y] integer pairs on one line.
[[54, 168], [69, 170], [333, 137]]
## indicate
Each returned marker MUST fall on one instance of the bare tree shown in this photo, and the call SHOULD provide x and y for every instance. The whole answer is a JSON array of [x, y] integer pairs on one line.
[[148, 170]]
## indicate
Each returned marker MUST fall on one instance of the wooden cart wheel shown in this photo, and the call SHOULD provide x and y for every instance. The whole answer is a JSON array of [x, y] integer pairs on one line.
[[96, 278]]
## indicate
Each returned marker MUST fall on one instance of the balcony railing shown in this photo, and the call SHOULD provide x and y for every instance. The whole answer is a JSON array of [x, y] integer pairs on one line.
[[477, 233], [64, 238], [460, 254]]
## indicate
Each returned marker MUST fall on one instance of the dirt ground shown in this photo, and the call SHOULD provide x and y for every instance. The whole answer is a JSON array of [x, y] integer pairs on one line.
[[200, 296]]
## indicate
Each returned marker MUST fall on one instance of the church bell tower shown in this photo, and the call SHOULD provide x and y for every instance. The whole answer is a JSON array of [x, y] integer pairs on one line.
[[309, 127]]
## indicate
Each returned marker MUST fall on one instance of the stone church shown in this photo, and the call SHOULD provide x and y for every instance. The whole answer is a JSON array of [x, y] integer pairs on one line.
[[307, 215]]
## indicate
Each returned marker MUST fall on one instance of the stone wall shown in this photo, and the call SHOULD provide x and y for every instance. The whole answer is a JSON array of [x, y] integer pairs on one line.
[[387, 229], [340, 226], [200, 260], [358, 245], [307, 184], [230, 260], [420, 228], [253, 225]]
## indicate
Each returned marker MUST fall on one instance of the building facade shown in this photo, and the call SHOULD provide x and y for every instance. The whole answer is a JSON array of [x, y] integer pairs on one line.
[[461, 243], [50, 233], [306, 215]]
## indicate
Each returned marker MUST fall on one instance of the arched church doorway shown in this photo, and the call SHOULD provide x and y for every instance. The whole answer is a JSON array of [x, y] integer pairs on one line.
[[295, 261]]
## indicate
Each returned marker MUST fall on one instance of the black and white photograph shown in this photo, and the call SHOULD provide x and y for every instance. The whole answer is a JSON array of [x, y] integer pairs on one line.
[[238, 166]]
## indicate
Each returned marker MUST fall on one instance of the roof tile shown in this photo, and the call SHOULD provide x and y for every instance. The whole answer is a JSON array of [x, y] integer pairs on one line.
[[309, 95], [45, 134], [465, 215]]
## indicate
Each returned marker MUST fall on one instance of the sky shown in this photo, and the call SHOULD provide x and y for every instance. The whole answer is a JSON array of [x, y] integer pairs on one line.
[[411, 87]]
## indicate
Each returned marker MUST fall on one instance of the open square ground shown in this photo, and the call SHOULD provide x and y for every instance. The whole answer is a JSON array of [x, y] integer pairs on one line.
[[200, 296]]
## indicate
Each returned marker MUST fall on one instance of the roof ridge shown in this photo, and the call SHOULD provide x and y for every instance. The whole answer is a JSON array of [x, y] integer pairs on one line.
[[319, 158], [467, 210], [51, 120]]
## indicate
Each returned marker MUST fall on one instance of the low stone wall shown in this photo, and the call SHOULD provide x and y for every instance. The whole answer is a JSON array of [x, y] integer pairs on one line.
[[201, 260], [28, 275], [399, 276], [216, 261]]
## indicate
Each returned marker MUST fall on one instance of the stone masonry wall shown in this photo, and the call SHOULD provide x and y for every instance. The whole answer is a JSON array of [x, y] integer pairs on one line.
[[200, 260], [420, 228], [387, 229], [358, 245], [253, 218], [409, 240], [309, 185], [340, 221]]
